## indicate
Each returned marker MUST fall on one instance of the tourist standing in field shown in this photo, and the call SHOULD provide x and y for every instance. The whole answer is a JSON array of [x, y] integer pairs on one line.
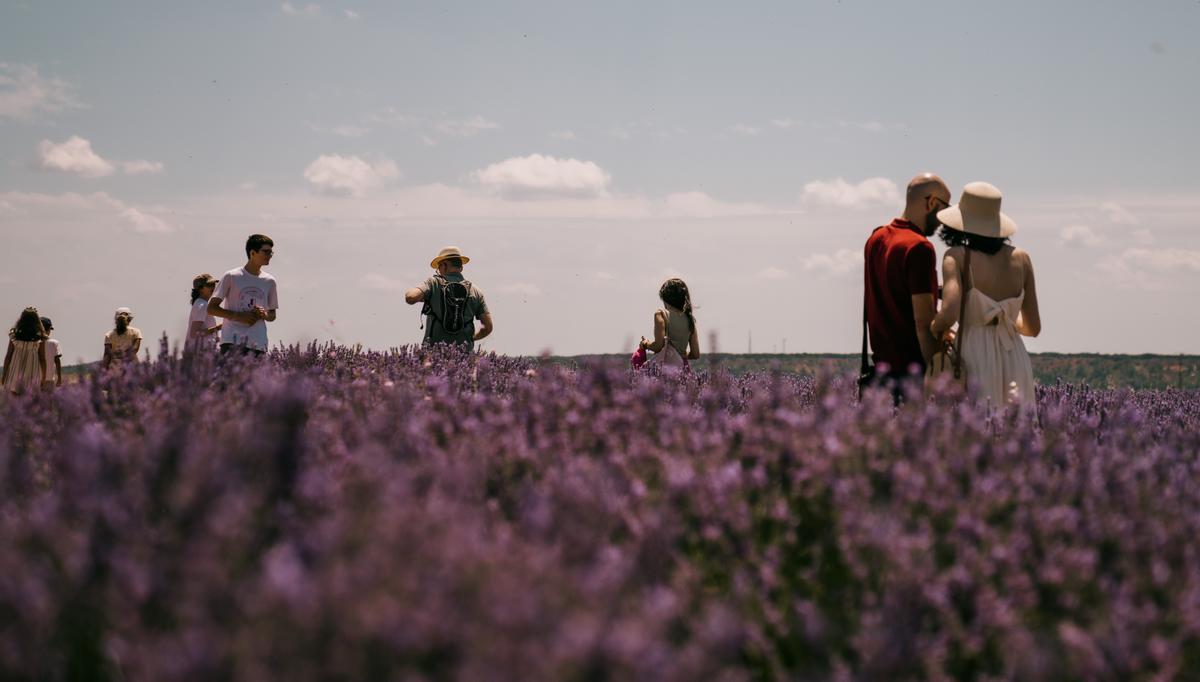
[[900, 285], [452, 303], [122, 342], [25, 360], [53, 357], [247, 299], [201, 324], [1001, 296], [676, 339]]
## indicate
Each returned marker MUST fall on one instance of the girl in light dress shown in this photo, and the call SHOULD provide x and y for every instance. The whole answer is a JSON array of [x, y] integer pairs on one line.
[[25, 360], [123, 342], [1001, 297], [676, 340]]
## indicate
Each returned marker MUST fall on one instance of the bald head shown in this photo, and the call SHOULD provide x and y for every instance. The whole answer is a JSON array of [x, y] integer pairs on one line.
[[927, 194], [924, 185]]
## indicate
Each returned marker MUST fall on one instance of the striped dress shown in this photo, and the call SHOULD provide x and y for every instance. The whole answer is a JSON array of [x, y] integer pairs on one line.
[[24, 369]]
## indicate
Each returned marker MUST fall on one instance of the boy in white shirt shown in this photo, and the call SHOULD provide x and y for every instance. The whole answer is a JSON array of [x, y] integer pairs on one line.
[[53, 357], [250, 297]]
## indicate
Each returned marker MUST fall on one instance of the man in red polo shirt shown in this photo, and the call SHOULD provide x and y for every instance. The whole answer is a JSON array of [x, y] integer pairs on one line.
[[901, 283]]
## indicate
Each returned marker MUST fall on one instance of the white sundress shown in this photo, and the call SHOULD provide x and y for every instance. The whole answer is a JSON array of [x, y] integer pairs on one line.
[[993, 352]]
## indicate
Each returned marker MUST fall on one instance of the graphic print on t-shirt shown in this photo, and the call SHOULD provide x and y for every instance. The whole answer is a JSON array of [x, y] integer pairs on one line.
[[250, 297]]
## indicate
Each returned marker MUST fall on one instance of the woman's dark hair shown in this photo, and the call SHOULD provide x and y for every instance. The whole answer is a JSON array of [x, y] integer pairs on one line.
[[28, 327], [256, 241], [674, 292], [988, 245], [195, 294]]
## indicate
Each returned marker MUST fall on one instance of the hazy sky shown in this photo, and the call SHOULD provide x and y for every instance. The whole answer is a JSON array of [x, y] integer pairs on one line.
[[580, 154]]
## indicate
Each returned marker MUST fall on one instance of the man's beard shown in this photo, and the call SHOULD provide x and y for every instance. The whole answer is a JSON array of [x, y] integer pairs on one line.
[[931, 224], [122, 325]]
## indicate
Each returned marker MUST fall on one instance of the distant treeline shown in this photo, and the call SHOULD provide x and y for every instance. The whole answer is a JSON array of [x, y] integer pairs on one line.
[[1093, 369]]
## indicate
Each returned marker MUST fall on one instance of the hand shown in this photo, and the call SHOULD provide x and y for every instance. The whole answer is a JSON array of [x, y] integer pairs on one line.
[[247, 317], [643, 343], [260, 312]]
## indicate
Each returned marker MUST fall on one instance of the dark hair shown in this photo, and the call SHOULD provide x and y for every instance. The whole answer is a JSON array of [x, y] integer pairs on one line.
[[28, 326], [256, 242], [988, 245], [456, 262], [674, 292], [47, 325]]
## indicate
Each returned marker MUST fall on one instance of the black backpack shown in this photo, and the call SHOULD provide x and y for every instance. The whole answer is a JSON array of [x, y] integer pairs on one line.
[[454, 317]]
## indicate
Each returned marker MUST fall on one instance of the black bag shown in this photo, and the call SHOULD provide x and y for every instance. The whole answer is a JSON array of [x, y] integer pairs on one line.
[[454, 316]]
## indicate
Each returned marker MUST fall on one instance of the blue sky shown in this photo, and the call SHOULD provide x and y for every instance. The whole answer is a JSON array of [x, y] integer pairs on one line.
[[580, 153]]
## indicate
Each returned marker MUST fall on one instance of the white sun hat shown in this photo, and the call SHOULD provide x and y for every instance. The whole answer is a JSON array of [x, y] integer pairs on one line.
[[978, 212]]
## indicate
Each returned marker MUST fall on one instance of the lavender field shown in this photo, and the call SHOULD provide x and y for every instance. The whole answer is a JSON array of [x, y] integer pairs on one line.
[[419, 514]]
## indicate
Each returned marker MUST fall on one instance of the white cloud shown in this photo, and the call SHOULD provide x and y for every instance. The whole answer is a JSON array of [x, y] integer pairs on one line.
[[88, 211], [347, 130], [75, 155], [351, 14], [773, 273], [1148, 268], [349, 175], [466, 127], [788, 123], [521, 289], [312, 9], [868, 126], [563, 135], [701, 205], [840, 262], [1143, 236], [842, 194], [378, 282], [141, 221], [25, 94], [604, 276], [1118, 214], [743, 129], [142, 167], [536, 176], [1080, 235]]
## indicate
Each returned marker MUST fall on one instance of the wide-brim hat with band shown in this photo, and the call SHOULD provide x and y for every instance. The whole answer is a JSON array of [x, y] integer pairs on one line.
[[978, 212], [448, 252]]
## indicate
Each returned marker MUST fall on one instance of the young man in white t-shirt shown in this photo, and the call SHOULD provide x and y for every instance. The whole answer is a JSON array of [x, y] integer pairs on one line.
[[250, 299], [53, 356]]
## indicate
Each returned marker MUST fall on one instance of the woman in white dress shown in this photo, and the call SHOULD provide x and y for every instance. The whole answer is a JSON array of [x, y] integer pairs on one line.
[[1001, 298], [676, 340]]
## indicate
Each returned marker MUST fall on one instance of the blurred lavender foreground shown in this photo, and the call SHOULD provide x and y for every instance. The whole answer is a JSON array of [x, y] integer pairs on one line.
[[333, 514]]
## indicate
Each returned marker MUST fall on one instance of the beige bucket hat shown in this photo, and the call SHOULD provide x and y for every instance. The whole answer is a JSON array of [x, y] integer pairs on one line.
[[448, 252], [978, 212]]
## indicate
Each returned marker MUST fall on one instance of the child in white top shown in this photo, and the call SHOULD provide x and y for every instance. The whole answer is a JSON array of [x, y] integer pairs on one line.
[[53, 357], [201, 324]]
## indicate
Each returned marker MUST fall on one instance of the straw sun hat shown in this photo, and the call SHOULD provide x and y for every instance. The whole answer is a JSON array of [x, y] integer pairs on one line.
[[978, 212], [448, 252]]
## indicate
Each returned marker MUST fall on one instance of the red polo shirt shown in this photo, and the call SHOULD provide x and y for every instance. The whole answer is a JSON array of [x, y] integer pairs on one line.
[[900, 263]]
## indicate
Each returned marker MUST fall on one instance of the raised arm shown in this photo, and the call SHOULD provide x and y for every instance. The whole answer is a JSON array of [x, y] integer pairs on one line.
[[951, 297], [414, 295], [1029, 322], [660, 333]]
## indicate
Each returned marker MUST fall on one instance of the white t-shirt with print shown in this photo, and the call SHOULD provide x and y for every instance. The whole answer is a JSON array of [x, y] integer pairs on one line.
[[200, 314], [240, 291]]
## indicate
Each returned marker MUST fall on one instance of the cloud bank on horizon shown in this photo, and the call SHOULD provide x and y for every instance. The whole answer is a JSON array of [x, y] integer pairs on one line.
[[363, 136]]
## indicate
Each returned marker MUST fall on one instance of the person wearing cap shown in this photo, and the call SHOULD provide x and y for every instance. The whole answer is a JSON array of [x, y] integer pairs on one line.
[[53, 357], [122, 342], [247, 298], [446, 320], [201, 324], [1001, 296], [900, 287]]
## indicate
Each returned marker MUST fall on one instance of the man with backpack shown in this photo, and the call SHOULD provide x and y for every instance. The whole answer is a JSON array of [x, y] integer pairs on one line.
[[451, 302]]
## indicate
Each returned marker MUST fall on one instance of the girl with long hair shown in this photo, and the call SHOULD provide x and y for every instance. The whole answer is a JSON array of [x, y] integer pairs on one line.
[[676, 338], [25, 360]]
